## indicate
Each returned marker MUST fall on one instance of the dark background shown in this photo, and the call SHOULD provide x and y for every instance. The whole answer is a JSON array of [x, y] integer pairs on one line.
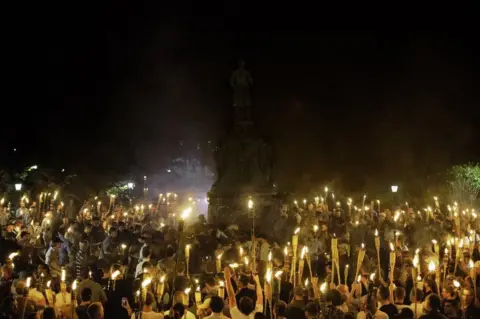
[[361, 95]]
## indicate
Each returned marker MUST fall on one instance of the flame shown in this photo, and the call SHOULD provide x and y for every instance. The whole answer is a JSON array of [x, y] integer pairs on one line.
[[162, 279], [186, 212], [234, 265], [456, 284], [115, 274], [250, 204], [431, 266], [268, 275], [246, 261], [297, 231], [315, 228], [146, 282], [241, 251], [470, 264], [446, 251], [419, 278], [363, 246], [49, 283], [63, 275], [222, 284], [391, 247], [187, 291], [270, 256], [219, 256], [323, 287], [13, 255], [198, 289], [278, 274], [434, 241], [74, 285], [306, 282], [304, 251], [372, 276], [376, 232], [285, 250], [359, 278], [29, 282]]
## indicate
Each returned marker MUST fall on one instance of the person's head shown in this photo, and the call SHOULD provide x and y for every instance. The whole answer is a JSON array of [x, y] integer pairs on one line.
[[259, 315], [399, 294], [334, 297], [312, 309], [180, 268], [22, 204], [178, 310], [281, 310], [428, 283], [343, 290], [95, 311], [210, 283], [450, 308], [121, 226], [416, 295], [432, 303], [86, 294], [146, 252], [383, 293], [112, 232], [147, 267], [448, 292], [216, 304], [49, 313], [149, 299], [246, 305], [298, 293], [405, 313], [243, 281], [178, 296]]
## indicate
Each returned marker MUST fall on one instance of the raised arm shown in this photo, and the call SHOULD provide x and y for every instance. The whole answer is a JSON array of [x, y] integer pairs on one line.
[[258, 289], [232, 302]]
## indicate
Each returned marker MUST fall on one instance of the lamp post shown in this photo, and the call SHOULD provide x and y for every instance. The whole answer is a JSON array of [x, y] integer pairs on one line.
[[394, 189]]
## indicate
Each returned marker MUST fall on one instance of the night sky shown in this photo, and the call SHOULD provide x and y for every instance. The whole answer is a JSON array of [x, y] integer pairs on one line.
[[118, 86]]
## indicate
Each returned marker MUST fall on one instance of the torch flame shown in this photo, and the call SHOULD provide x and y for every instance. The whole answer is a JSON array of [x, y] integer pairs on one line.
[[297, 231], [376, 232]]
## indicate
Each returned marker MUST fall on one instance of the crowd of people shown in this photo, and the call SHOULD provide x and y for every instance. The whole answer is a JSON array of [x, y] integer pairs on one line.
[[118, 262]]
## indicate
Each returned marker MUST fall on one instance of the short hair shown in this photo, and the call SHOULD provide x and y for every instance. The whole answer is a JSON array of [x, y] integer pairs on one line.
[[210, 280], [149, 299], [312, 308], [406, 313], [281, 308], [246, 305], [335, 297], [178, 309], [93, 311], [399, 293], [216, 304], [112, 229], [49, 313], [86, 294], [243, 279], [146, 251], [434, 302], [259, 315], [383, 292]]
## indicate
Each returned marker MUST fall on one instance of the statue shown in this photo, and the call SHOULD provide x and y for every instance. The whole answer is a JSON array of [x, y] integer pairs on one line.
[[241, 82]]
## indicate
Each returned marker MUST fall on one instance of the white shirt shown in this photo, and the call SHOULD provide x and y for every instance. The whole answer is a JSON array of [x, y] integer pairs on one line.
[[236, 314], [149, 315], [378, 315], [187, 315]]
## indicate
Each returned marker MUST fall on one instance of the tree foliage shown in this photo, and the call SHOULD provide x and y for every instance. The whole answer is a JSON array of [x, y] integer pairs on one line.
[[465, 182]]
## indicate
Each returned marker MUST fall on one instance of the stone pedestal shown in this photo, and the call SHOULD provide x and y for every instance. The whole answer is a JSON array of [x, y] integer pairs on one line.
[[244, 167]]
